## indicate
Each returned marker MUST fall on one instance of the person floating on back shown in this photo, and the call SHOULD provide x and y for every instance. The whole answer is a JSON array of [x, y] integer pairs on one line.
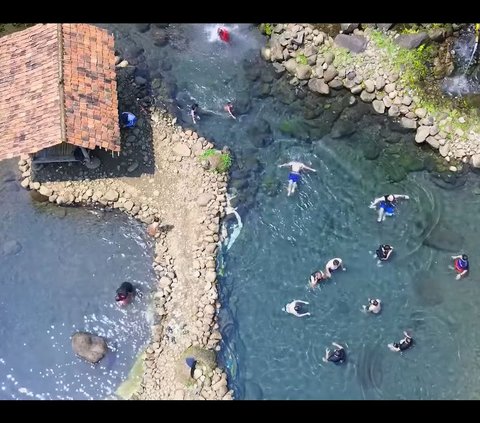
[[374, 306], [128, 120], [402, 345], [387, 205], [124, 293], [461, 265], [229, 109], [295, 308], [223, 34], [294, 175], [194, 113], [384, 252], [337, 356], [316, 278], [332, 265]]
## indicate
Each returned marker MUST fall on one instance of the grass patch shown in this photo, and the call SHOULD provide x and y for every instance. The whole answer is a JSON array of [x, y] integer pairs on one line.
[[221, 161], [302, 59], [266, 28]]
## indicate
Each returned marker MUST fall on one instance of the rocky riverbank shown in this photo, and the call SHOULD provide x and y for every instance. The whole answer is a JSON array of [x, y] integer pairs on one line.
[[189, 200], [381, 68]]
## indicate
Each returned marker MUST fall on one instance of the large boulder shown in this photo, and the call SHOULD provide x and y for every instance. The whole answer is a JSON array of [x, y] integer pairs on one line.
[[194, 358], [318, 86], [411, 41], [353, 43], [89, 347]]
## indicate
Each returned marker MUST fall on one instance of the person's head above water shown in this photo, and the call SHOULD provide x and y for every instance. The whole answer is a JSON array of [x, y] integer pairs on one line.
[[336, 262], [121, 296], [375, 302], [389, 198], [386, 247], [464, 257], [297, 307], [194, 106]]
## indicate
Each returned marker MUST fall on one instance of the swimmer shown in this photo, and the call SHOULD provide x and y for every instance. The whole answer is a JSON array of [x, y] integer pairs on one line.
[[403, 345], [384, 252], [316, 278], [223, 34], [294, 176], [295, 308], [229, 109], [387, 205], [374, 306], [124, 293], [332, 265], [337, 356], [461, 265], [194, 113]]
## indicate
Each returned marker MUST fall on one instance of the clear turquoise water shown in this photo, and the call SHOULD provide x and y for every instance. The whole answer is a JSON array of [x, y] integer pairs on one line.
[[272, 355], [61, 277]]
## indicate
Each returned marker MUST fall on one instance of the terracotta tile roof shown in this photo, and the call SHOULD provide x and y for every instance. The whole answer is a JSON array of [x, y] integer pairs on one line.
[[35, 112], [29, 100], [90, 87]]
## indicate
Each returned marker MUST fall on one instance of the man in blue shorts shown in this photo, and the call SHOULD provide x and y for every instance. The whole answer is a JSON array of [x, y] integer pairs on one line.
[[294, 175]]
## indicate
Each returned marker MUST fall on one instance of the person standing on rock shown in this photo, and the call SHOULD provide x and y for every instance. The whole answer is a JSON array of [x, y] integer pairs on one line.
[[294, 175], [387, 205], [124, 294]]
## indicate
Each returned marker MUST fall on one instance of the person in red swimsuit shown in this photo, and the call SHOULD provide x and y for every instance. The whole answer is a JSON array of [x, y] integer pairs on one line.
[[224, 34], [461, 265]]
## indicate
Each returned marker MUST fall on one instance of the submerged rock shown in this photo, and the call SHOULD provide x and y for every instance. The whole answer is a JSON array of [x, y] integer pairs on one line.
[[427, 289], [89, 347], [444, 238], [11, 248]]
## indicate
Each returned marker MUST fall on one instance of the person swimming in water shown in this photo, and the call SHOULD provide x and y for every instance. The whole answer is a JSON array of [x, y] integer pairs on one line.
[[294, 175], [229, 109], [295, 308], [223, 34], [337, 356], [387, 205], [374, 306], [124, 293], [332, 265], [384, 252], [403, 345], [461, 265], [194, 113], [316, 278]]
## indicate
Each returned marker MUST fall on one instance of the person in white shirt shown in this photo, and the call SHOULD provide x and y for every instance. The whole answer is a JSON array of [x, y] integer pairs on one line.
[[332, 265], [295, 308], [374, 306]]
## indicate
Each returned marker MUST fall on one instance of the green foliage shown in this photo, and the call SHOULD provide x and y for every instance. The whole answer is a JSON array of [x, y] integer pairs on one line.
[[268, 29], [302, 59]]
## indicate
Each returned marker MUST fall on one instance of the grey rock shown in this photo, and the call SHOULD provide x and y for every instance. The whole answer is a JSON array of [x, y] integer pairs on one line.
[[303, 72], [111, 195], [389, 88], [45, 191], [394, 111], [422, 133], [433, 142], [329, 57], [278, 67], [330, 73], [411, 41], [89, 347], [379, 82], [475, 160], [132, 167], [204, 199], [384, 26], [318, 86], [421, 113], [353, 43], [387, 101], [369, 86], [347, 28], [367, 97], [181, 149], [408, 123], [378, 106], [335, 83]]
